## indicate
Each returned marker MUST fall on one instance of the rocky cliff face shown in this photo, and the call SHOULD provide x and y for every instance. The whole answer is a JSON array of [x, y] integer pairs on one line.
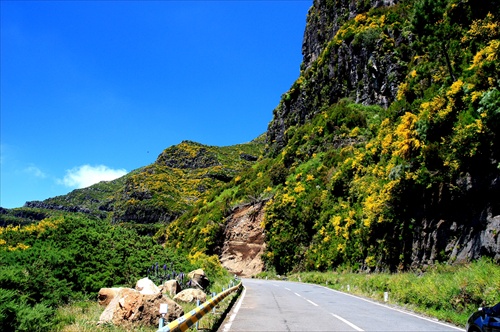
[[462, 227], [324, 20], [366, 58], [367, 68]]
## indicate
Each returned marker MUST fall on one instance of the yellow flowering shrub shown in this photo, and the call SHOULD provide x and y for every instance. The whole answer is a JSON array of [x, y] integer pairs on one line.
[[407, 141]]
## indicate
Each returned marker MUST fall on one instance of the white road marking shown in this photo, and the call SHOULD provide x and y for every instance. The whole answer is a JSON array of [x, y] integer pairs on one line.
[[287, 288], [312, 302], [347, 322], [388, 307], [298, 295]]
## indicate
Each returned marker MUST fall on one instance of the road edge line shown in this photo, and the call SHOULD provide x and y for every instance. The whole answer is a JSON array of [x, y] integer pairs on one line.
[[227, 326]]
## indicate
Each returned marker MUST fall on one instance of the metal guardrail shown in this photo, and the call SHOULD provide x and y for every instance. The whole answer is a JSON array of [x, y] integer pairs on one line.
[[183, 323]]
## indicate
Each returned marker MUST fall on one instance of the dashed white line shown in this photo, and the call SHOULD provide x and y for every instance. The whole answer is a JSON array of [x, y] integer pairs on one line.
[[287, 288], [395, 309], [312, 302], [347, 322], [298, 295]]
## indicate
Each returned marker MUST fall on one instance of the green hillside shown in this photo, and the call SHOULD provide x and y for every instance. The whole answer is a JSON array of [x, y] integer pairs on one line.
[[66, 248], [383, 156], [158, 193], [355, 185]]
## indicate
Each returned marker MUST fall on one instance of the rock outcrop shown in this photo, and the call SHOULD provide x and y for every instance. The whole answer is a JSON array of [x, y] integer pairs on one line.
[[146, 286], [106, 295], [363, 69], [131, 309], [171, 287], [191, 295], [59, 207], [198, 279], [345, 55], [325, 19], [460, 228]]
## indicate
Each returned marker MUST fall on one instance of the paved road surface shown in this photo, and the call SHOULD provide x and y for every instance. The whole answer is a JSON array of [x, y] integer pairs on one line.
[[289, 306]]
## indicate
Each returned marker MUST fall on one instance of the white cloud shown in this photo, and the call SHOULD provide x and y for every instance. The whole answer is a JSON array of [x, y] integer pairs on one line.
[[35, 171], [86, 175]]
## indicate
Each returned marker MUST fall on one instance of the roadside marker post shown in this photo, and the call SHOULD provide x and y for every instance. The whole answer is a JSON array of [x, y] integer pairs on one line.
[[197, 322], [163, 311]]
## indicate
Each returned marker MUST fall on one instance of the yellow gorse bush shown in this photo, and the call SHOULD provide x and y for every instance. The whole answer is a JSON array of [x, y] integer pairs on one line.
[[407, 141], [487, 54], [33, 229]]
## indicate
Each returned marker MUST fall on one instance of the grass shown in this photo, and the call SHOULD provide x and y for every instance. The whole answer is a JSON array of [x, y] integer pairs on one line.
[[83, 317], [447, 292]]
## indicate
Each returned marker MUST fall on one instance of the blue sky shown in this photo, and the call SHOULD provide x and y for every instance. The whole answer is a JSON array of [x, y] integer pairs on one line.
[[91, 90]]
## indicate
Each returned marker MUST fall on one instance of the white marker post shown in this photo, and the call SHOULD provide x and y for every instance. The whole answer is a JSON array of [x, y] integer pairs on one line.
[[197, 322], [163, 311]]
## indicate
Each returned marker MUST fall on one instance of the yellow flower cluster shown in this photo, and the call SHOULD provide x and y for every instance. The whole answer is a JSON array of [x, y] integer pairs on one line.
[[19, 246], [487, 54], [299, 188], [38, 227], [361, 23], [483, 29], [407, 141], [402, 90], [287, 199]]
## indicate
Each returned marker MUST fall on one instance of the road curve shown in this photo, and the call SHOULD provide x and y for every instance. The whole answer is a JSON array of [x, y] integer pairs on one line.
[[290, 306]]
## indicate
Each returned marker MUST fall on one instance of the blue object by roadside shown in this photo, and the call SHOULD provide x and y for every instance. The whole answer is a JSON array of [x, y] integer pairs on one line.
[[486, 319]]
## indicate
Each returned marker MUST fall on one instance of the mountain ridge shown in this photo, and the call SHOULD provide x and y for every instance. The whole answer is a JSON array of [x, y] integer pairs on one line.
[[383, 156], [400, 127]]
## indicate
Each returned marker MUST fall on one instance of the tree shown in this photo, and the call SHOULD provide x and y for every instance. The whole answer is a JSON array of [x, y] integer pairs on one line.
[[431, 25]]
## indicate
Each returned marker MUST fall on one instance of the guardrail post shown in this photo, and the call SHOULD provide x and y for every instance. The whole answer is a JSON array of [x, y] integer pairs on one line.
[[197, 322]]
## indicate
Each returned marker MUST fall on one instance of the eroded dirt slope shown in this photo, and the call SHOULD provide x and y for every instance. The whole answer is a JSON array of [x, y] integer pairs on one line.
[[244, 241]]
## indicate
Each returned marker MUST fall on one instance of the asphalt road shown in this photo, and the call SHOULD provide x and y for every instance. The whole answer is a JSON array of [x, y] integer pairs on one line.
[[290, 306]]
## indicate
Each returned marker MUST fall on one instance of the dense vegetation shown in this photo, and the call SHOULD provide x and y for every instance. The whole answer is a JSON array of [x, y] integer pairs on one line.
[[352, 183], [68, 247], [65, 258], [347, 189]]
